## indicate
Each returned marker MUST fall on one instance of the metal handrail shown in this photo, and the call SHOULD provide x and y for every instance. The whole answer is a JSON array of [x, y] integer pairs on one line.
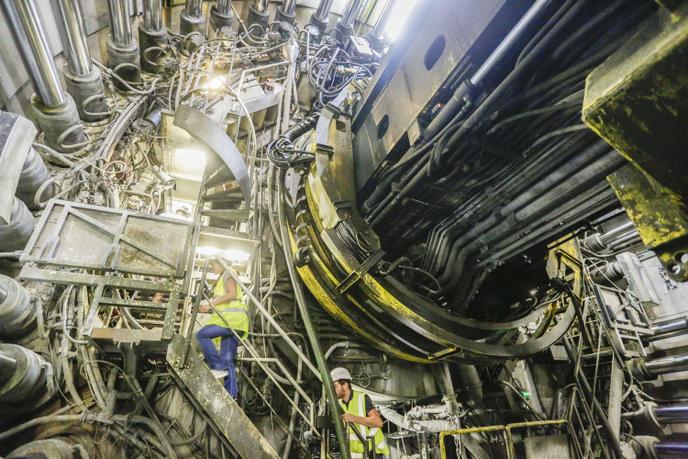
[[354, 428], [505, 429], [264, 312], [251, 350], [194, 314]]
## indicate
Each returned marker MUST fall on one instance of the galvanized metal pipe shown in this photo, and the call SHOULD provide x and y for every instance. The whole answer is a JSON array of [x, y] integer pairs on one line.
[[323, 11], [378, 29], [120, 28], [152, 15], [671, 449], [514, 34], [260, 5], [194, 8], [668, 329], [618, 231], [73, 35], [288, 7], [669, 364], [350, 13], [652, 368], [33, 46], [671, 414], [616, 235], [224, 7]]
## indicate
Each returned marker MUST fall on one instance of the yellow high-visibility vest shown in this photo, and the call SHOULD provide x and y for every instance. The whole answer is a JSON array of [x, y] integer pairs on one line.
[[374, 435], [234, 313]]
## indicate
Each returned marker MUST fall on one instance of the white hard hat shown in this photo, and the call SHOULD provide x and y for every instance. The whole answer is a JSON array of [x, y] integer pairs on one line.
[[340, 373]]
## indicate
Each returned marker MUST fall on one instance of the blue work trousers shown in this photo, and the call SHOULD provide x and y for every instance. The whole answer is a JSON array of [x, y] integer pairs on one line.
[[225, 359]]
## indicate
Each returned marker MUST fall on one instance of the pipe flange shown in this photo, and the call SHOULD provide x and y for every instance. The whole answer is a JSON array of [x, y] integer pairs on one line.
[[643, 445], [189, 24], [152, 44], [376, 43], [343, 32], [29, 378], [639, 370], [650, 417], [88, 93], [17, 310], [15, 234], [258, 19], [124, 61], [219, 20], [319, 23], [281, 16], [594, 243], [61, 125]]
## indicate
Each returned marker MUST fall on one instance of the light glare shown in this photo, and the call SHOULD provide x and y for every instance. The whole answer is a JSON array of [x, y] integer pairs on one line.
[[233, 255], [216, 82], [398, 18]]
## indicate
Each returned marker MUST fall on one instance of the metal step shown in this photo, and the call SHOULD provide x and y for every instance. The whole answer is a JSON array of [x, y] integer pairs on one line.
[[209, 396], [235, 215], [234, 196]]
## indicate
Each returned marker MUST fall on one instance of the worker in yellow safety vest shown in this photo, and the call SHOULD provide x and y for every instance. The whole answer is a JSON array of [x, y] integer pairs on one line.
[[360, 414], [229, 322]]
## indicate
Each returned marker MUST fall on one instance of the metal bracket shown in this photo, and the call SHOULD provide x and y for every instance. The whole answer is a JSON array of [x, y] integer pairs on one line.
[[444, 353], [363, 268]]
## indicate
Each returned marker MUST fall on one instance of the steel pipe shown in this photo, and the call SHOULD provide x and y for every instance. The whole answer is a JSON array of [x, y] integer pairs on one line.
[[257, 16], [33, 46], [671, 414], [652, 368], [669, 364], [615, 236], [378, 29], [193, 8], [222, 15], [668, 329], [286, 12], [152, 37], [120, 28], [671, 449], [123, 50], [260, 5], [191, 19], [74, 37], [224, 7], [152, 15], [349, 15], [83, 81], [514, 34], [288, 7], [322, 14]]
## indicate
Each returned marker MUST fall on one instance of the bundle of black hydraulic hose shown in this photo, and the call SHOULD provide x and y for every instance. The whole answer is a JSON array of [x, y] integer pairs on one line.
[[281, 151]]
